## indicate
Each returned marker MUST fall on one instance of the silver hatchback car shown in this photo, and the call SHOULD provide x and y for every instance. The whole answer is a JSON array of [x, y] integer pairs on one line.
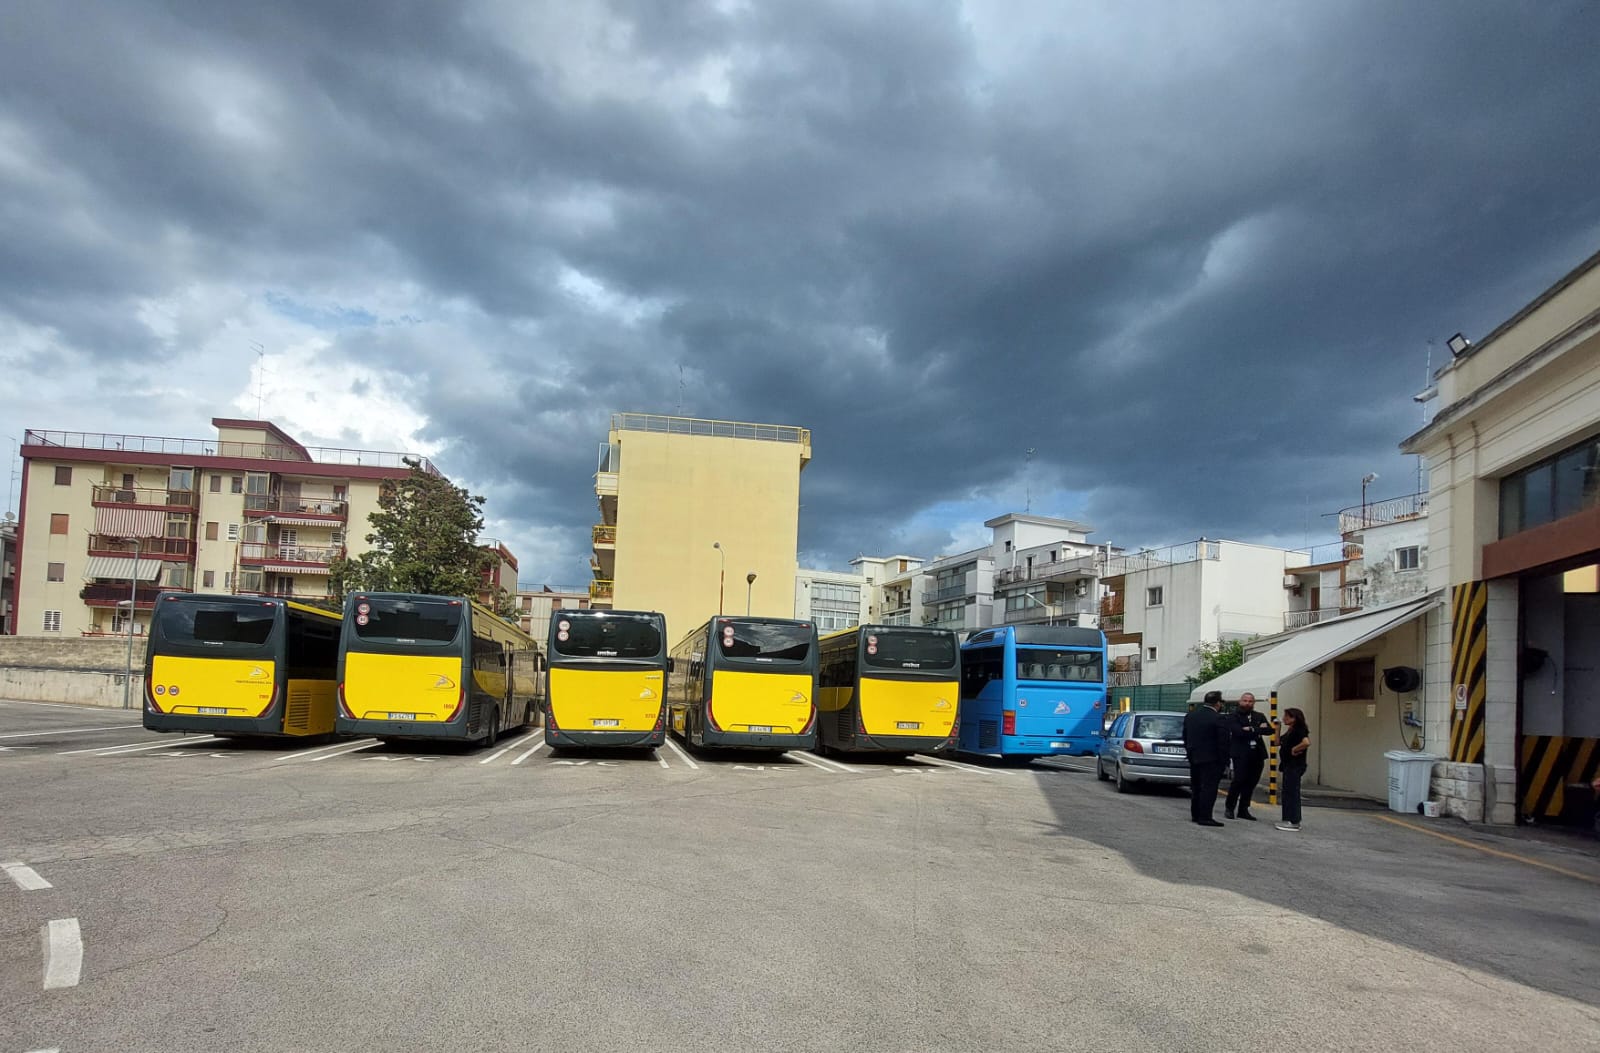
[[1144, 747]]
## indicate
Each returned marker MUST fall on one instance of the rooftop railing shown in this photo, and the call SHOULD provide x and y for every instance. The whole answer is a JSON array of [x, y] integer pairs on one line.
[[113, 444], [725, 429], [1382, 513], [1149, 559]]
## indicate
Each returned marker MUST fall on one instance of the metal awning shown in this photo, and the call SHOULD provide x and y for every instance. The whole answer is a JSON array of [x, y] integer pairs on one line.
[[294, 568], [130, 522], [1311, 647], [309, 521], [119, 568]]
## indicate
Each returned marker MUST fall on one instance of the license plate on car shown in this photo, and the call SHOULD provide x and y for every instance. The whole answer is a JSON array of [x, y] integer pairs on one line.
[[1170, 749], [402, 716], [908, 725], [603, 722], [761, 727], [220, 711]]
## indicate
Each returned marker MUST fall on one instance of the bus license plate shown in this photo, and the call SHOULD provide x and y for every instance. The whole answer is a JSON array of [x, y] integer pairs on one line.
[[220, 711], [908, 725], [761, 727], [402, 716], [604, 723]]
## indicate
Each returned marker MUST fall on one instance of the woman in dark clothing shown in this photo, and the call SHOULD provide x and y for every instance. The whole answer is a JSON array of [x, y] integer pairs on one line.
[[1294, 739]]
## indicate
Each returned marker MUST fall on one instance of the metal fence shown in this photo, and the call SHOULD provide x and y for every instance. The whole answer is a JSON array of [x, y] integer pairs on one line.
[[1170, 698], [725, 429]]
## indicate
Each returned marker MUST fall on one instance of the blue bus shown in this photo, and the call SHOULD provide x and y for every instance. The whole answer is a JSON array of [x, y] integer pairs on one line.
[[1033, 691]]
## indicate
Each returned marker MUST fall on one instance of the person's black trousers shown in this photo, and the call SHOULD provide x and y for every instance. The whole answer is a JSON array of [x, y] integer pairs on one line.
[[1204, 778], [1291, 794], [1246, 775]]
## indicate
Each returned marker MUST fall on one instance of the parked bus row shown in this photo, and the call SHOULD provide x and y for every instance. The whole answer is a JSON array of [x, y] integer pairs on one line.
[[404, 666]]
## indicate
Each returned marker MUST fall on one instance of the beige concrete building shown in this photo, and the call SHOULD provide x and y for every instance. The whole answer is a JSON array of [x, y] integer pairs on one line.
[[690, 509], [249, 511], [539, 603]]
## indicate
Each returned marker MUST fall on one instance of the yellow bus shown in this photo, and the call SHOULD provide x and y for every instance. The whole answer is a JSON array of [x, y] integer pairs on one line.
[[607, 679], [434, 667], [746, 683], [888, 689], [240, 665]]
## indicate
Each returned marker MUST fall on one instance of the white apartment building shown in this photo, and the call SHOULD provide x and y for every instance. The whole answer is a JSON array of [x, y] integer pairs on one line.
[[830, 599], [537, 603]]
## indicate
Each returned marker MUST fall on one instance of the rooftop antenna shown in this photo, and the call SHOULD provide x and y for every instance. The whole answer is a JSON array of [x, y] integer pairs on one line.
[[11, 474], [1027, 464], [261, 375], [1427, 379], [680, 389]]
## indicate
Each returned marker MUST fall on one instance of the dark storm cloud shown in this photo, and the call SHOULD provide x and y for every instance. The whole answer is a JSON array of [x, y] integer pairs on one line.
[[1190, 254]]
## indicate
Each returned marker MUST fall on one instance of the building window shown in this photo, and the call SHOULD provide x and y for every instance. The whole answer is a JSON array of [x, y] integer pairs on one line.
[[1354, 680], [58, 522], [208, 579], [1153, 596], [236, 484], [337, 537], [1408, 558], [178, 525], [178, 577], [55, 572], [216, 484], [211, 529], [1552, 489], [288, 538], [181, 479], [52, 621], [1150, 654], [63, 475], [1008, 546]]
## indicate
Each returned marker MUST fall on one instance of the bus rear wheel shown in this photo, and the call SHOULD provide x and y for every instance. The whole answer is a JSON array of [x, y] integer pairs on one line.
[[491, 734]]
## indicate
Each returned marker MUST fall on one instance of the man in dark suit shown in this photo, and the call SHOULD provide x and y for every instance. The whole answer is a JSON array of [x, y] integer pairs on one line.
[[1247, 741], [1205, 736]]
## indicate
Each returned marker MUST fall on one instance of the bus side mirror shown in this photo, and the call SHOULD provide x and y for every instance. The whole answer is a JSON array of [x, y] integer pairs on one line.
[[672, 664]]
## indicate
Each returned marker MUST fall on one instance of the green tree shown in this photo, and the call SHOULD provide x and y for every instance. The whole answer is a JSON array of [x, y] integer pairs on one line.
[[1215, 659], [424, 539], [505, 605]]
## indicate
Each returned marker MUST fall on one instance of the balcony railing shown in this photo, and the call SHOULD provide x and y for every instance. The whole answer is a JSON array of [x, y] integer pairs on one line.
[[601, 589], [949, 592], [1381, 513], [1332, 552], [169, 548], [719, 428], [255, 552], [1301, 619], [1031, 615], [110, 595], [270, 504], [1111, 623], [605, 535], [1086, 566], [113, 444], [1150, 559], [151, 498]]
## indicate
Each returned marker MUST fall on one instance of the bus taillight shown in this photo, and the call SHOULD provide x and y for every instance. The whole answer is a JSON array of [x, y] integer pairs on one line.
[[661, 718], [711, 718], [150, 700], [461, 700], [812, 720], [1008, 722], [344, 707]]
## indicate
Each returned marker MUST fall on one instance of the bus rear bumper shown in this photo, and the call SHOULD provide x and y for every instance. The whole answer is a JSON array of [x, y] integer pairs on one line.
[[745, 740], [558, 738], [401, 729], [269, 724], [895, 744]]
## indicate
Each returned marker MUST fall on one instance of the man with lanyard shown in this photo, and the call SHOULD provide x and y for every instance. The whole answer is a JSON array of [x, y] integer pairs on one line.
[[1247, 746], [1206, 738]]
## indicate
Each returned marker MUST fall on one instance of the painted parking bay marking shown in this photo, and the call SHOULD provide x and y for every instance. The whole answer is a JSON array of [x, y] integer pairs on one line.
[[138, 747], [63, 953], [26, 878], [64, 731]]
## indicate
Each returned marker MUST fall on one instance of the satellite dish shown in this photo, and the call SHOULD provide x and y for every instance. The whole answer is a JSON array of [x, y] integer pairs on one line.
[[1402, 679]]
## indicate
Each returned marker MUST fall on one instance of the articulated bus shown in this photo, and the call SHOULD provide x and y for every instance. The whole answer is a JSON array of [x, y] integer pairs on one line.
[[608, 679], [433, 667], [1033, 691], [240, 665], [887, 689], [746, 683]]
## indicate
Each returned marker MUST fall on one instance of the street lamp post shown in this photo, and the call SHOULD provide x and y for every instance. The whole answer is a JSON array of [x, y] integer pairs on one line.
[[749, 586], [1049, 609], [133, 605], [722, 574]]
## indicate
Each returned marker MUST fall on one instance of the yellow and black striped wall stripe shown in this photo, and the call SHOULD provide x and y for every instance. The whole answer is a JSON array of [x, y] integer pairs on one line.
[[1469, 662], [1549, 764]]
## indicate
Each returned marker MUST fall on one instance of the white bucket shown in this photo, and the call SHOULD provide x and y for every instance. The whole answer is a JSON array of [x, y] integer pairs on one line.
[[1430, 809]]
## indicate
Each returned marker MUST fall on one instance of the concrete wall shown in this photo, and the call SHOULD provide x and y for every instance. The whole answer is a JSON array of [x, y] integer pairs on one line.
[[1355, 734], [70, 670], [676, 494], [1242, 593], [1386, 582]]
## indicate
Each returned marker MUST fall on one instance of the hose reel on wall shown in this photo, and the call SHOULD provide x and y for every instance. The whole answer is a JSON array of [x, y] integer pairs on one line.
[[1406, 680]]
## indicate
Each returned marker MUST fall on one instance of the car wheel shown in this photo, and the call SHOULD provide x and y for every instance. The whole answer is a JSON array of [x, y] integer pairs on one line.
[[1123, 784], [1100, 769]]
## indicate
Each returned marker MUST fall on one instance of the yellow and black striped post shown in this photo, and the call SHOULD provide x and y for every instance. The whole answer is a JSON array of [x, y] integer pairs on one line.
[[1469, 649], [1272, 751]]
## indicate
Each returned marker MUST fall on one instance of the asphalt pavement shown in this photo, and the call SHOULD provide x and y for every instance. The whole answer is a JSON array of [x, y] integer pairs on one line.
[[188, 893]]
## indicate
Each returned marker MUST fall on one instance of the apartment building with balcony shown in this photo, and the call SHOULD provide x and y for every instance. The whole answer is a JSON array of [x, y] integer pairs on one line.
[[876, 572], [697, 516], [1047, 571], [538, 604], [500, 573], [8, 574], [831, 599], [108, 518], [1160, 603]]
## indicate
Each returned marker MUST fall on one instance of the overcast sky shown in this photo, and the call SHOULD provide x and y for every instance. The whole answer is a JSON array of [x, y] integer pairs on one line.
[[1192, 254]]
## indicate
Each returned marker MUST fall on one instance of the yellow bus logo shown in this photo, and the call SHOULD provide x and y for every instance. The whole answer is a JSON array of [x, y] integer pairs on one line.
[[443, 683]]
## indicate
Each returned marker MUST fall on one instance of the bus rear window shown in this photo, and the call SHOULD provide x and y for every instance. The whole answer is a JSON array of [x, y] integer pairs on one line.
[[605, 636], [899, 650], [761, 642], [1048, 663], [224, 626], [407, 621]]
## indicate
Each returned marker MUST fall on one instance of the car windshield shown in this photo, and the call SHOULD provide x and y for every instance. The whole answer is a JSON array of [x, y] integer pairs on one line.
[[606, 636], [1158, 726], [392, 620], [764, 642]]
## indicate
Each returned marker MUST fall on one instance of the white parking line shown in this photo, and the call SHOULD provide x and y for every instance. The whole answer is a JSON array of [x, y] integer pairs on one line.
[[662, 761], [536, 747], [135, 747], [813, 761], [27, 878], [502, 752], [47, 705], [290, 758], [65, 731], [52, 1049], [965, 767], [341, 753], [63, 953], [684, 756]]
